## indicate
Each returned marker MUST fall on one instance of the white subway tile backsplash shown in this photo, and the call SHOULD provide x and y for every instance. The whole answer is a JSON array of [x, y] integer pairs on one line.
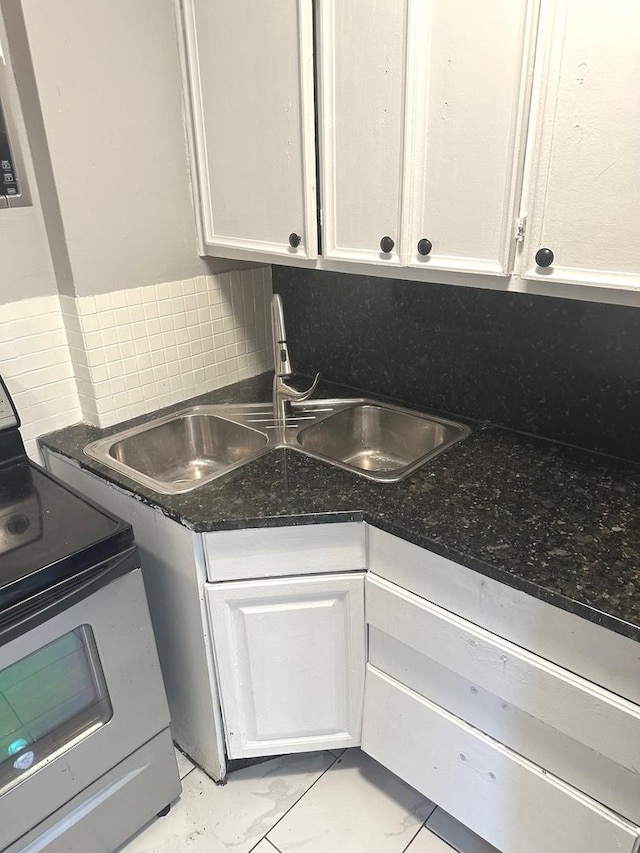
[[165, 342], [89, 323], [117, 298], [162, 291], [114, 356], [136, 313], [36, 365], [90, 303]]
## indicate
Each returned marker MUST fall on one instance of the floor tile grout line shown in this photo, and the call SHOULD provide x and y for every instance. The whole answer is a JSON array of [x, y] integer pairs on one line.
[[421, 827], [293, 805]]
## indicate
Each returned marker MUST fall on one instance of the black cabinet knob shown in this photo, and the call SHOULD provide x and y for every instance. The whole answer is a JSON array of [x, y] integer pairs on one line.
[[387, 244], [544, 257], [294, 240], [424, 246]]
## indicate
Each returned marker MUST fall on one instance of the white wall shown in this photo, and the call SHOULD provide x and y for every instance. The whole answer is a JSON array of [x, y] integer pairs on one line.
[[142, 321], [26, 268], [110, 86], [25, 263]]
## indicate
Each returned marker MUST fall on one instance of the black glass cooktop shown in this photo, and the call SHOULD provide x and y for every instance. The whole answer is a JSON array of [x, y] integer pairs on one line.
[[48, 533]]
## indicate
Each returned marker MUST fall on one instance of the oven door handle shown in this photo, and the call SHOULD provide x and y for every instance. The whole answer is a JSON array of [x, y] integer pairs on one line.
[[25, 615]]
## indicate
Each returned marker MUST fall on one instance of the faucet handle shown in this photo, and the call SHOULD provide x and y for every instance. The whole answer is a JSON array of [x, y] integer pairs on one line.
[[300, 396], [314, 385]]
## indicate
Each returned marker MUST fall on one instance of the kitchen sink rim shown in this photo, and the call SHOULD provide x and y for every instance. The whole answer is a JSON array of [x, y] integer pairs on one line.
[[259, 418]]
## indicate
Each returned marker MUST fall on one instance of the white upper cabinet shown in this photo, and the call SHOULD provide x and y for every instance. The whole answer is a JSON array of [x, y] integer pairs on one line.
[[584, 201], [454, 136], [362, 86], [250, 74], [423, 108], [467, 102]]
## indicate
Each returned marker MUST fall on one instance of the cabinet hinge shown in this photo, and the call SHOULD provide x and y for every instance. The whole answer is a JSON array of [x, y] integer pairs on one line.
[[521, 227], [321, 217]]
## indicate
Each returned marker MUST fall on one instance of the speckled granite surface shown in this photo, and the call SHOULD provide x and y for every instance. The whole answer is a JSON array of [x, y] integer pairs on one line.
[[557, 368], [559, 523]]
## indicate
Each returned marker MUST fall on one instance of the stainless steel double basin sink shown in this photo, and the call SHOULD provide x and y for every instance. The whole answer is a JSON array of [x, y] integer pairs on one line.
[[184, 450]]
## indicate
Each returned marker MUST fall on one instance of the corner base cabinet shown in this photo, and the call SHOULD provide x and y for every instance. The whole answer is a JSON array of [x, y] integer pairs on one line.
[[518, 717], [290, 657]]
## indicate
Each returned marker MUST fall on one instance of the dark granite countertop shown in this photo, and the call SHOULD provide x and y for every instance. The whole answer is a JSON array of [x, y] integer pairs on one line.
[[559, 523]]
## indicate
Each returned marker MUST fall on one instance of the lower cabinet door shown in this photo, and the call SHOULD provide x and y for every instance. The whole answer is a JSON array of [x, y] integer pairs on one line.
[[290, 657], [511, 802]]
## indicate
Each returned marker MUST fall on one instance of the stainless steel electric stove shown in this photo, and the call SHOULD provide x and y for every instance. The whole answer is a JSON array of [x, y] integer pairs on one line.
[[86, 756]]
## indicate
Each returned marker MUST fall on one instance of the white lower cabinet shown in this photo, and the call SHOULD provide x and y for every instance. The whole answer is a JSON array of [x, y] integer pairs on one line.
[[511, 802], [290, 656], [527, 754], [585, 735], [519, 718]]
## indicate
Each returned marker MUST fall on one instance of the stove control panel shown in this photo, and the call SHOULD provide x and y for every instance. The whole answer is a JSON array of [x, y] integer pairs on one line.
[[14, 190], [8, 416]]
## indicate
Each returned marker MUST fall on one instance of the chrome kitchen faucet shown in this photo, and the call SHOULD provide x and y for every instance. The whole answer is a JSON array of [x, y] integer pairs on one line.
[[283, 393]]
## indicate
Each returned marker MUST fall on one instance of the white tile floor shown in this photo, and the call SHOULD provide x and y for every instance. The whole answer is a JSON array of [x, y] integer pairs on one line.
[[315, 803]]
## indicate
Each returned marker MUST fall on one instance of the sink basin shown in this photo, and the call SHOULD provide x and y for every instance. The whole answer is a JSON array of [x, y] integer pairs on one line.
[[176, 453], [381, 442]]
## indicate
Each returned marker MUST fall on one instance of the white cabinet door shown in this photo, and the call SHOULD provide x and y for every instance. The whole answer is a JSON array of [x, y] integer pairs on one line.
[[468, 96], [361, 84], [290, 655], [423, 107], [250, 69], [585, 152]]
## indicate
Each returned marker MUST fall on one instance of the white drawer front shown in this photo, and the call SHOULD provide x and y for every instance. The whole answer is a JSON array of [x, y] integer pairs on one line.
[[502, 797], [265, 552], [579, 731], [594, 652]]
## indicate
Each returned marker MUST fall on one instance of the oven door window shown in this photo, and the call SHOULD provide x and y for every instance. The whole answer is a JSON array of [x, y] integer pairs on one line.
[[49, 701]]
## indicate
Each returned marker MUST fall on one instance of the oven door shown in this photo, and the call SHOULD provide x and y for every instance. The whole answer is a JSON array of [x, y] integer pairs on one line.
[[80, 690]]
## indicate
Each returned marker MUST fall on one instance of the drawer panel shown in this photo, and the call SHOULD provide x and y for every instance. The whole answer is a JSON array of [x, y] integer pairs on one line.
[[594, 652], [530, 696], [265, 552], [582, 767], [502, 797], [110, 810]]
